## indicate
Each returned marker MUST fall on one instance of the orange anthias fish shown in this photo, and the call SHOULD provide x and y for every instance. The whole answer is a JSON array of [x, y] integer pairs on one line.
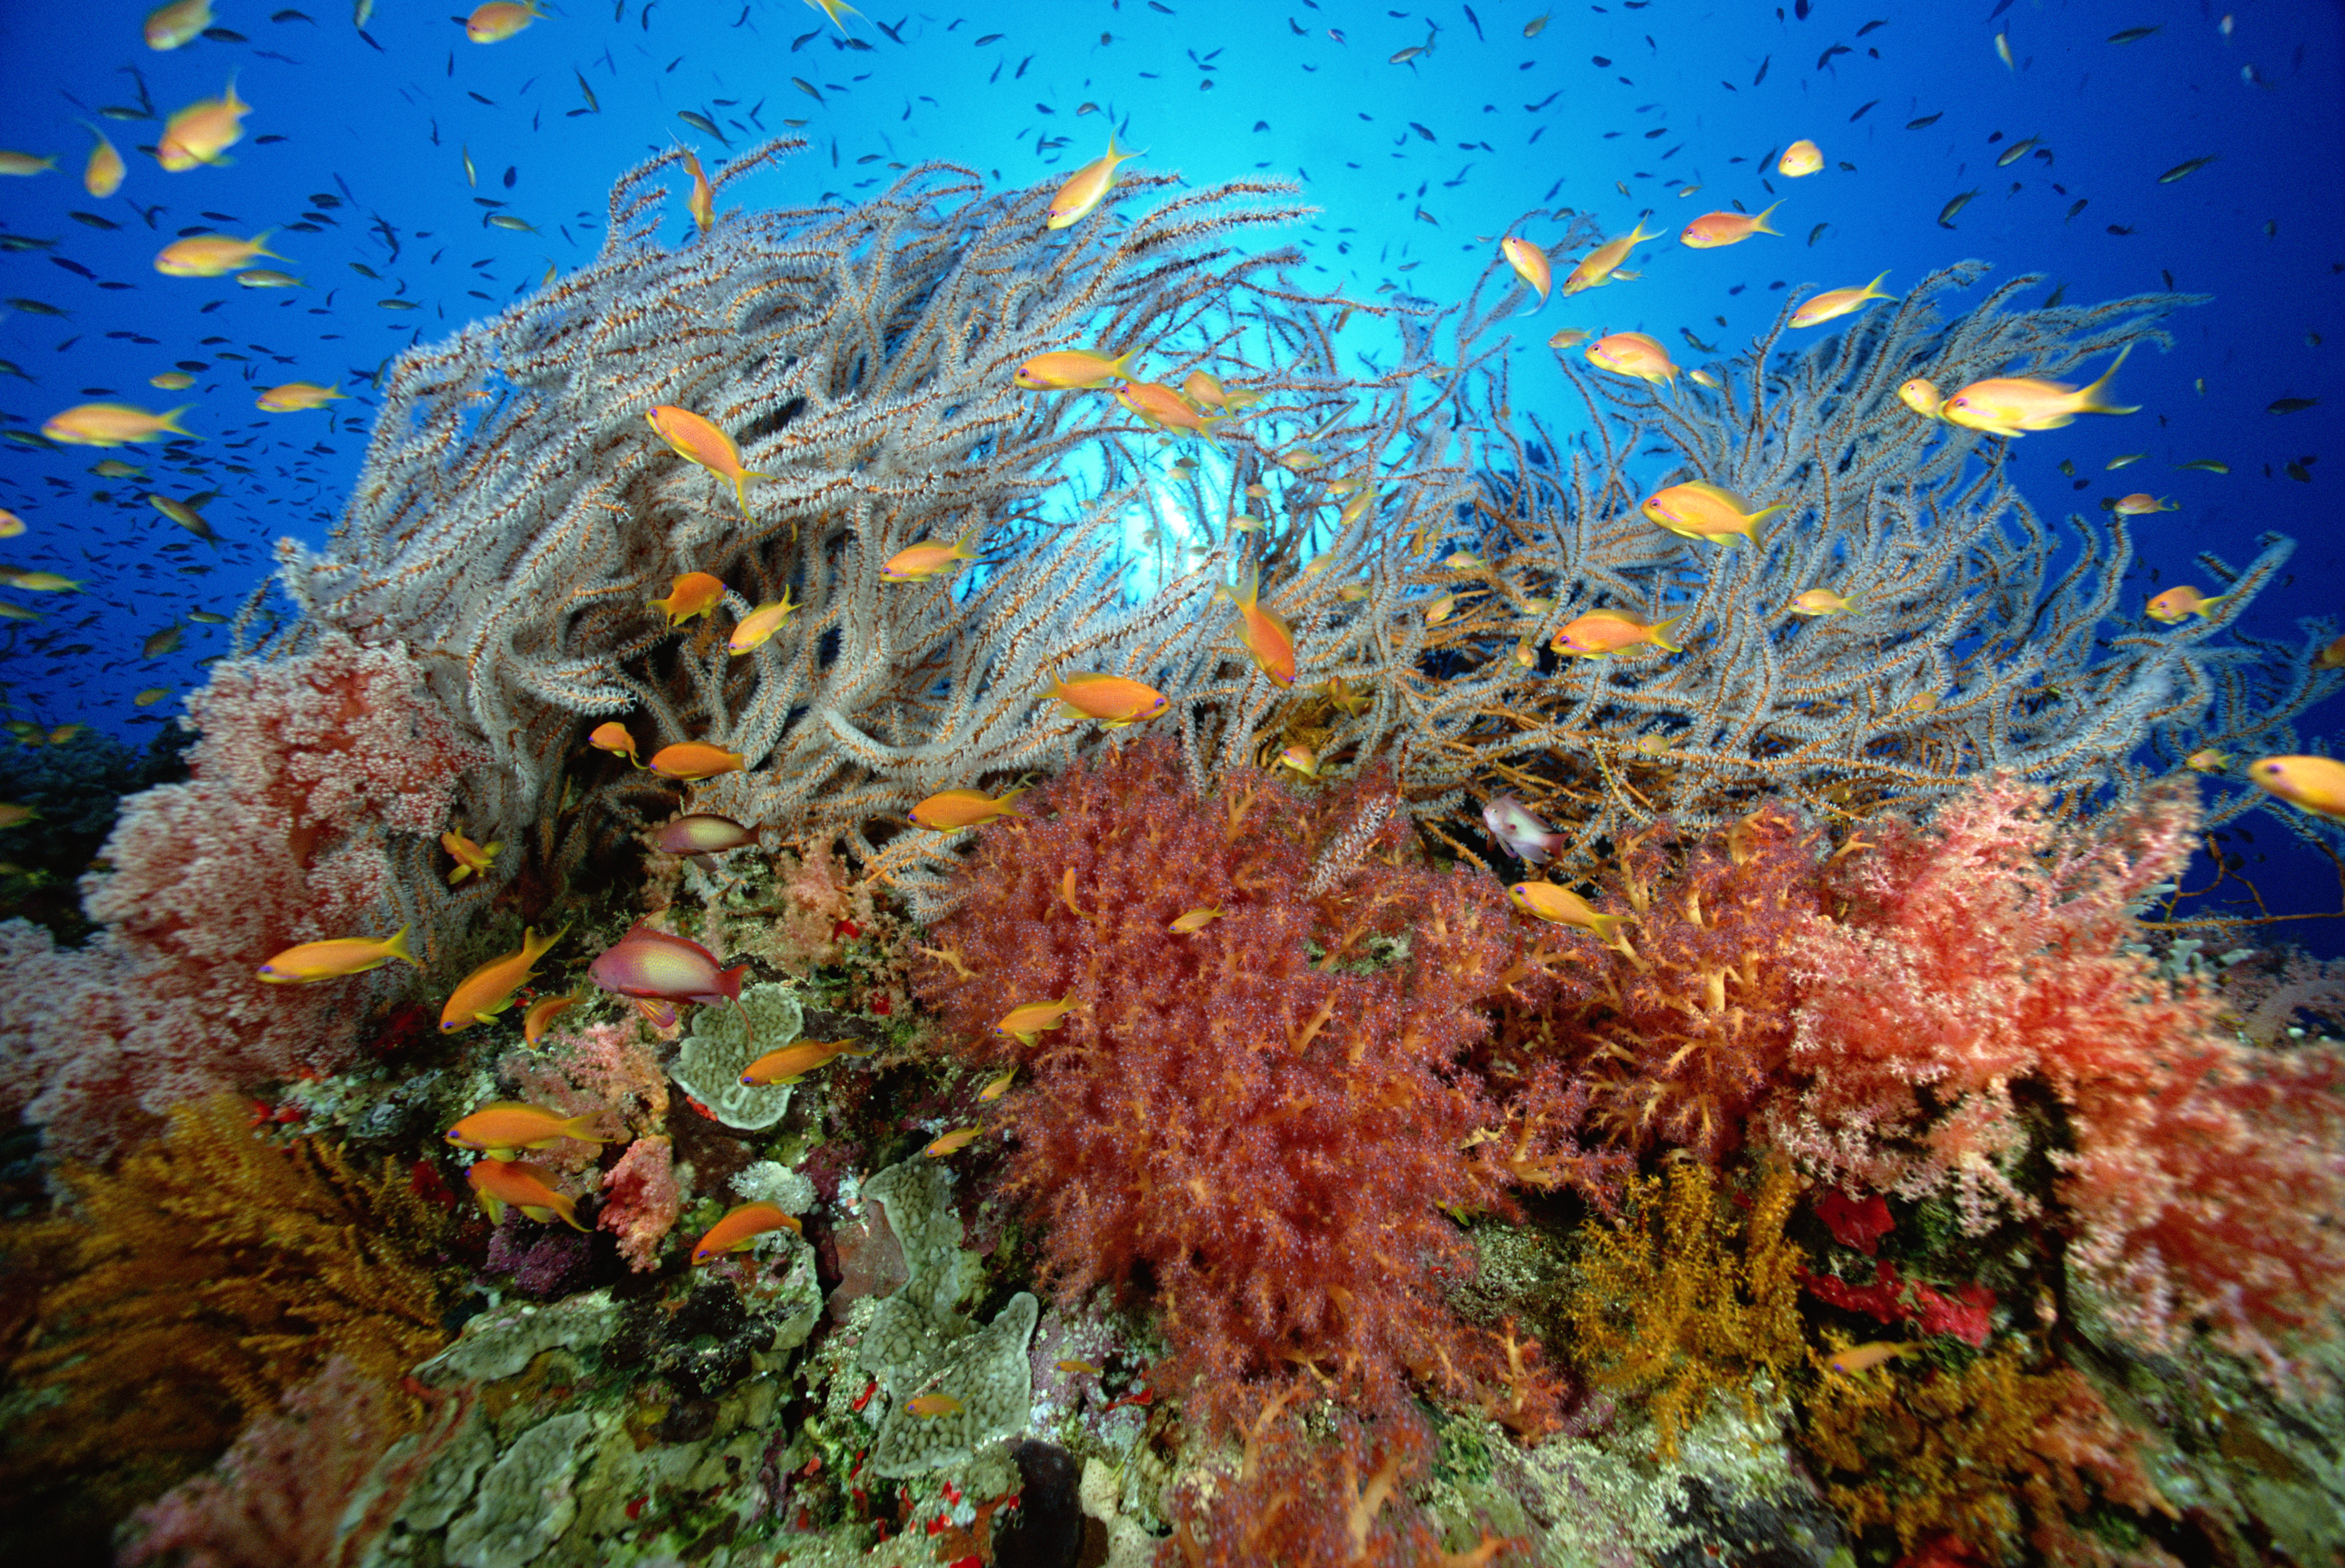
[[1921, 395], [2141, 503], [2013, 405], [695, 440], [1600, 633], [1800, 160], [756, 629], [1205, 391], [2181, 603], [1073, 370], [919, 563], [1086, 186], [540, 1016], [1700, 510], [1834, 303], [1530, 264], [212, 255], [1158, 405], [1596, 268], [470, 858], [1821, 601], [2332, 655], [112, 425], [953, 1142], [1267, 640], [1632, 354], [296, 398], [954, 809], [1110, 699], [740, 1226], [1712, 229], [1025, 1022], [615, 737], [1864, 1358], [688, 761], [494, 21], [501, 1127], [794, 1061], [528, 1188], [1562, 906], [692, 593], [489, 990], [1194, 921], [199, 133], [702, 202], [177, 24], [311, 962], [2316, 784], [932, 1405]]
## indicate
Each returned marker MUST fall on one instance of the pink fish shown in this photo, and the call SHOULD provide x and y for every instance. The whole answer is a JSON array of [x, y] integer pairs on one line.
[[1525, 836], [702, 833], [654, 964]]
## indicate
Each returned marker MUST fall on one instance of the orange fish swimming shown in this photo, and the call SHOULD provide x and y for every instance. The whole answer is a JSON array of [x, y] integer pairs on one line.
[[295, 397], [1600, 633], [1073, 370], [1562, 906], [1700, 510], [470, 858], [1800, 160], [528, 1188], [199, 133], [180, 23], [615, 738], [919, 563], [540, 1016], [794, 1061], [1834, 303], [494, 21], [1025, 1022], [1596, 268], [212, 255], [1160, 406], [740, 1226], [756, 629], [953, 1142], [932, 1405], [2181, 603], [1086, 186], [1632, 354], [501, 1127], [112, 425], [311, 962], [1267, 640], [2013, 405], [489, 989], [1530, 264], [951, 810], [2311, 784], [690, 761], [1713, 229], [692, 593], [695, 440], [1110, 699]]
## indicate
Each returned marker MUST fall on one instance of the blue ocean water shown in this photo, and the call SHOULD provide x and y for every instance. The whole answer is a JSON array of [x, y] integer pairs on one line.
[[412, 180]]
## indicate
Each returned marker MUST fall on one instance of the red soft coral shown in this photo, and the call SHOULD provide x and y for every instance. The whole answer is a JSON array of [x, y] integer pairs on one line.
[[1263, 1119]]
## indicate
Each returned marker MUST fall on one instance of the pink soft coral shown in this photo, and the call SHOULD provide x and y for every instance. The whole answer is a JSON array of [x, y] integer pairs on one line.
[[1263, 1119], [642, 1201], [1995, 955]]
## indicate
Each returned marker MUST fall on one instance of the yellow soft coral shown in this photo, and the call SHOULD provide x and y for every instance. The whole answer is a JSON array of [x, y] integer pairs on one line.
[[1681, 1299]]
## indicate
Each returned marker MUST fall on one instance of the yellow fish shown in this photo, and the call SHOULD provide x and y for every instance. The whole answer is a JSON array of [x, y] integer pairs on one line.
[[1267, 640], [295, 397], [954, 809], [689, 594], [1073, 370], [1530, 264], [1632, 354], [103, 175], [1194, 921], [1112, 699], [540, 1016], [695, 440], [2140, 504], [919, 563], [1600, 633], [497, 20], [1700, 510], [1595, 268], [1161, 407], [199, 133], [1713, 229], [1921, 396], [2181, 603], [933, 1404], [1801, 158], [489, 989], [2316, 784], [1834, 303], [11, 525], [212, 255], [2208, 761], [758, 627], [170, 381], [2013, 405], [311, 962], [112, 425], [1821, 601], [470, 858], [953, 1142], [1562, 906], [1086, 186], [1024, 1022], [1864, 1358], [181, 21]]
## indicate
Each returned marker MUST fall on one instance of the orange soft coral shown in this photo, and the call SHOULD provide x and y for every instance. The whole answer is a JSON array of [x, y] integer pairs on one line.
[[1263, 1119]]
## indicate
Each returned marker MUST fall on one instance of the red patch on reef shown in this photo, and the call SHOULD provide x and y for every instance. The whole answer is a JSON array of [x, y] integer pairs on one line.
[[870, 1261], [1855, 1222]]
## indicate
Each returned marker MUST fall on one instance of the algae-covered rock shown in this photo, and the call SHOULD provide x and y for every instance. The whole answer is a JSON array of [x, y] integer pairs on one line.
[[984, 1375], [526, 1500], [721, 1045], [499, 1344]]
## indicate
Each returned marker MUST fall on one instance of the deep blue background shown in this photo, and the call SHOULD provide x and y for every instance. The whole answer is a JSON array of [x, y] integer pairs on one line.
[[1417, 168]]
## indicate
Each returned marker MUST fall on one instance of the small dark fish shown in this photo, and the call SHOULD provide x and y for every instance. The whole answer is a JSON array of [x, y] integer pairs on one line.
[[2121, 229], [294, 17], [2193, 166], [2205, 465], [592, 107], [1801, 8], [1869, 26], [2132, 35], [71, 265], [92, 220], [2296, 471], [1946, 213], [2057, 296], [225, 36], [1826, 57], [2014, 152], [507, 220], [1817, 232], [2075, 208], [2000, 7], [990, 38], [701, 122], [1763, 64], [398, 304], [2289, 405], [35, 308], [1862, 110], [1926, 120]]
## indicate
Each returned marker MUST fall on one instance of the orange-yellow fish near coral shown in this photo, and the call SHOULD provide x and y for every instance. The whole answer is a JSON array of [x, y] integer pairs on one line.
[[295, 398], [702, 202], [740, 1226], [932, 1405], [1821, 601], [1698, 511], [1206, 391], [2141, 503], [757, 628], [1713, 229], [1834, 303], [1530, 264], [1194, 921], [470, 858], [1267, 640], [1086, 186], [1562, 906], [1800, 160], [1632, 354], [1024, 1022], [496, 20], [2013, 405], [1859, 1358], [2316, 784], [794, 1061], [501, 1127], [1159, 405], [690, 761], [311, 962], [1600, 633], [2182, 603], [103, 175], [540, 1016], [211, 255], [489, 990], [1922, 397], [1074, 370], [1596, 268], [1110, 699], [112, 425], [953, 1142], [950, 811], [695, 440], [528, 1188], [616, 738], [2331, 656], [691, 594], [919, 563], [202, 131], [180, 22]]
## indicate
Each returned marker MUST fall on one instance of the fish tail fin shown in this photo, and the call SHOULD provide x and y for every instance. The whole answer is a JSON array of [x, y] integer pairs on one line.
[[1121, 365], [1659, 636], [397, 947], [1750, 529], [2091, 400], [532, 949], [582, 1128], [568, 1209], [1759, 223], [260, 245], [729, 982], [170, 422], [1873, 289]]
